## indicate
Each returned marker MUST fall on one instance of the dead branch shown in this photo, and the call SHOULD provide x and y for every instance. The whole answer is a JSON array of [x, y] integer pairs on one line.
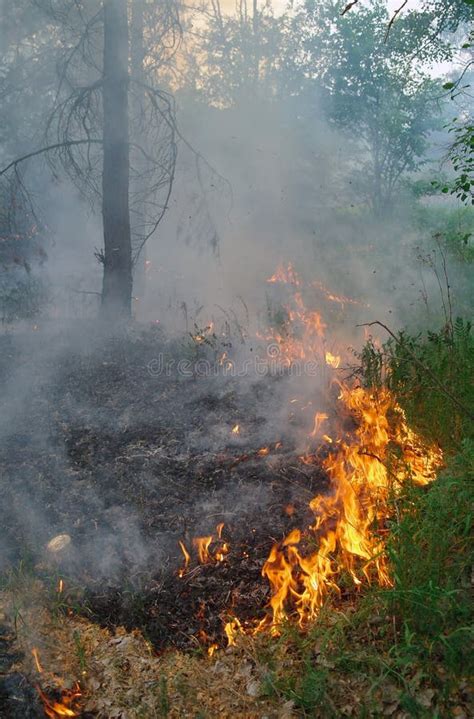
[[393, 18], [44, 150], [351, 4]]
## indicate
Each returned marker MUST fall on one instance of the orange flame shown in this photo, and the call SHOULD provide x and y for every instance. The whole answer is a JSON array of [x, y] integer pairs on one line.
[[202, 546], [232, 629], [302, 334], [332, 360], [319, 418], [285, 274], [339, 299], [186, 559], [349, 523], [68, 706]]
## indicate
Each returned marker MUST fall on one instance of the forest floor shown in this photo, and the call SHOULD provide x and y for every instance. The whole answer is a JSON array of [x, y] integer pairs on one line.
[[128, 462]]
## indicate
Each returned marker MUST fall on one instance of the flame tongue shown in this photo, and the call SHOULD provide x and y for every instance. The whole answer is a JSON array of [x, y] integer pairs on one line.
[[68, 705], [348, 523], [206, 554]]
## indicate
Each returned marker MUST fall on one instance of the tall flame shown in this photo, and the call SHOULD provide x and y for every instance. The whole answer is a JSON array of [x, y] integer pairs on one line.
[[349, 523]]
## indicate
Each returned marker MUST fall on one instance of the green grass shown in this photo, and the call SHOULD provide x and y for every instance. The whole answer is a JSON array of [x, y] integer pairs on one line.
[[432, 377], [430, 543], [431, 553]]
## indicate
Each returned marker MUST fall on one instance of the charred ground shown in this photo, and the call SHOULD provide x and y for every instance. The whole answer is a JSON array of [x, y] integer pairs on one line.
[[128, 463]]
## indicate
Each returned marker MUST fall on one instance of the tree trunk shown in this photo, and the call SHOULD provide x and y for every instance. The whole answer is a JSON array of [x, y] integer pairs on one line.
[[137, 56], [117, 280]]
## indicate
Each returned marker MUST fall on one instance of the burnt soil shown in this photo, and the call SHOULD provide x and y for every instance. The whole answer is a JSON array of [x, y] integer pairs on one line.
[[95, 444]]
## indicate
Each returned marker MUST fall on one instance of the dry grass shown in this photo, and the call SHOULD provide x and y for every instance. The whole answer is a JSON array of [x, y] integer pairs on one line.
[[122, 678]]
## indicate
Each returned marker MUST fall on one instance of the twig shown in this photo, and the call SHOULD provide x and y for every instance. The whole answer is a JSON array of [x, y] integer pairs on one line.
[[48, 148], [86, 292], [349, 6], [426, 369], [393, 18]]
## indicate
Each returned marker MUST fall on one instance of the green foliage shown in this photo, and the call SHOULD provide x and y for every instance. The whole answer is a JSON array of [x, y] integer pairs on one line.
[[461, 152], [461, 155], [306, 688], [164, 701], [240, 55], [452, 229], [431, 553], [372, 88], [414, 367]]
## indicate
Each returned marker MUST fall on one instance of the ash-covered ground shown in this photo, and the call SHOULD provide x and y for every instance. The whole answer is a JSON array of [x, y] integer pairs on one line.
[[99, 442]]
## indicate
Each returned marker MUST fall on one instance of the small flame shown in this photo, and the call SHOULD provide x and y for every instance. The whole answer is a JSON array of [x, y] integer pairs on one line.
[[285, 275], [221, 554], [319, 418], [236, 429], [339, 299], [67, 706], [202, 545], [232, 629], [202, 336], [35, 654], [332, 360], [186, 559]]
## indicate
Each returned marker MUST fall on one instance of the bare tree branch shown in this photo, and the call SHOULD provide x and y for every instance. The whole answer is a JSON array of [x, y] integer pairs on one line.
[[44, 150], [393, 18]]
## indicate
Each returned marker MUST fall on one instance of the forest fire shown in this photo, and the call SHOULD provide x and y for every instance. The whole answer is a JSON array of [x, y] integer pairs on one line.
[[236, 359], [349, 522], [369, 452]]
